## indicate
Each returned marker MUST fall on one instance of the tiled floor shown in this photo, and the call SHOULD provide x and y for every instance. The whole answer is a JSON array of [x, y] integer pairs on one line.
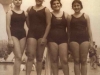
[[7, 69]]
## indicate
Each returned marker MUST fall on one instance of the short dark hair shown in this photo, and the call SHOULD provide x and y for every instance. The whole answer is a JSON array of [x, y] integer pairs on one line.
[[77, 1], [51, 2]]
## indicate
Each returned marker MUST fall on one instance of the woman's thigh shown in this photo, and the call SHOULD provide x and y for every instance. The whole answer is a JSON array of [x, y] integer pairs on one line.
[[16, 49], [53, 50], [84, 49], [22, 44], [31, 46], [63, 51], [40, 48], [74, 46]]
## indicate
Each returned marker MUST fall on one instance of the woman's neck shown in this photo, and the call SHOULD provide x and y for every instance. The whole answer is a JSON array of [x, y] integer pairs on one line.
[[56, 11], [38, 6], [77, 13], [17, 8]]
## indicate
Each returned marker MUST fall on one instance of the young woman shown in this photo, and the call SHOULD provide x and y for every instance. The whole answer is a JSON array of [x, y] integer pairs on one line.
[[16, 33], [57, 38], [39, 19], [80, 37]]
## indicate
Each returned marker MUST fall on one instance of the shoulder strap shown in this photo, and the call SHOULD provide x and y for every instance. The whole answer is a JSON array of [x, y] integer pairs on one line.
[[52, 14], [24, 13], [44, 8], [12, 11], [70, 17], [84, 15], [29, 8]]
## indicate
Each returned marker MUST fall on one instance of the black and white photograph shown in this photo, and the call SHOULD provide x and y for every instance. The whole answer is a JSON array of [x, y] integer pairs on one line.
[[49, 37]]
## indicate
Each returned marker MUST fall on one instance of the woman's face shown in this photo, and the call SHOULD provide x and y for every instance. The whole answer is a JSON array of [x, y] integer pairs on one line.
[[76, 7], [39, 2], [17, 2], [56, 5]]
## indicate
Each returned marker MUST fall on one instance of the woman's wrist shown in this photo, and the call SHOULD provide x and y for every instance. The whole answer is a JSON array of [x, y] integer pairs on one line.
[[9, 38], [44, 37]]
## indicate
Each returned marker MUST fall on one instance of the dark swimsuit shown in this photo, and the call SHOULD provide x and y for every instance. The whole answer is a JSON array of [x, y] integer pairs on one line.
[[78, 29], [17, 25], [58, 32], [37, 20]]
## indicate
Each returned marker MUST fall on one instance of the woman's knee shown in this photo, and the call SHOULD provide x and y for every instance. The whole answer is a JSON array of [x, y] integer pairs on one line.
[[19, 58], [54, 60], [30, 57], [39, 59], [83, 61], [77, 61], [64, 61]]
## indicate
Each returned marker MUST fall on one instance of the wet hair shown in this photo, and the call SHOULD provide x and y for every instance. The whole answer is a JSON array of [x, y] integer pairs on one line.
[[77, 1], [51, 2]]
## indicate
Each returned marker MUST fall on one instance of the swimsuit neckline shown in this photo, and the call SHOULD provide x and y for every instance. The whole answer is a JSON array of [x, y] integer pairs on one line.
[[18, 13], [79, 16], [37, 10], [58, 17]]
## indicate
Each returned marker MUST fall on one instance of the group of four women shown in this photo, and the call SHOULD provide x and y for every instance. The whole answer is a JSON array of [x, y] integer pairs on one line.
[[55, 29]]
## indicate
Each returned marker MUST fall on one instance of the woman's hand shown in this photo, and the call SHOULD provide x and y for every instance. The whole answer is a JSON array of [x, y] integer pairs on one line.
[[10, 43], [43, 41]]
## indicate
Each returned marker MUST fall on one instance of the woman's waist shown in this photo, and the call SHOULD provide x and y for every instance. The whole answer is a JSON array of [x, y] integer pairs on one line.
[[58, 28], [17, 29], [79, 35], [37, 27], [58, 32], [35, 23], [79, 32]]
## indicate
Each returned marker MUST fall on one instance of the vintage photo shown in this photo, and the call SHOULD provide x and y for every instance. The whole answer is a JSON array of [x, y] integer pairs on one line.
[[49, 37]]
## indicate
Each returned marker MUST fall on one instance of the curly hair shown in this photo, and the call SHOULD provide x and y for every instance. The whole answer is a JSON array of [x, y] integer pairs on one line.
[[51, 2]]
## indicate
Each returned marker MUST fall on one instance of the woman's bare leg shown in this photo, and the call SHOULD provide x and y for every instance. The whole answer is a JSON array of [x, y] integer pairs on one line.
[[39, 56], [53, 50], [84, 48], [31, 52], [63, 53], [74, 46], [18, 52]]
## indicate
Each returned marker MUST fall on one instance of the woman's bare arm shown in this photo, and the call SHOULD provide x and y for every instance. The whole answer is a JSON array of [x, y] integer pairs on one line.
[[8, 20], [89, 29], [48, 22], [27, 18], [25, 24]]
